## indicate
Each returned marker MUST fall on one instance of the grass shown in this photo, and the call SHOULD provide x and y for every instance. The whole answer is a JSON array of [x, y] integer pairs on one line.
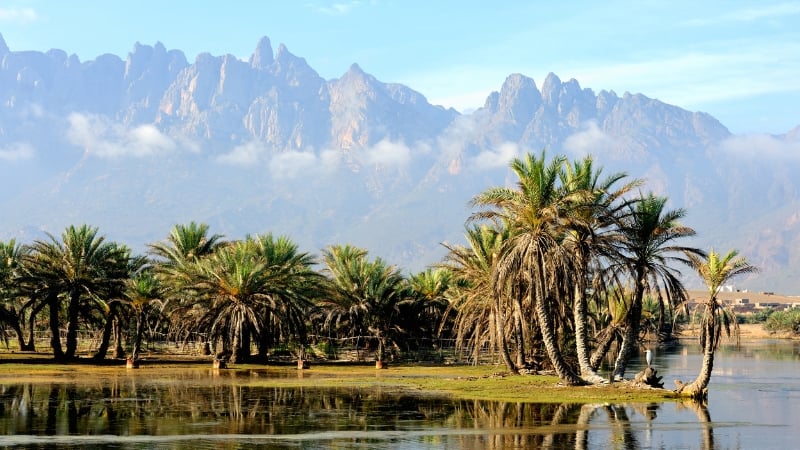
[[484, 382]]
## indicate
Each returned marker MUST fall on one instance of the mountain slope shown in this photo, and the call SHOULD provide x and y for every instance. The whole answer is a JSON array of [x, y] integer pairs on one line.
[[266, 144]]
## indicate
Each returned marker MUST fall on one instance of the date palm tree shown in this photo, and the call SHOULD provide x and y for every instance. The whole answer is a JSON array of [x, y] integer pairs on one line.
[[533, 255], [480, 309], [249, 288], [591, 235], [11, 256], [649, 235], [715, 270], [174, 258], [367, 292], [143, 291], [79, 268]]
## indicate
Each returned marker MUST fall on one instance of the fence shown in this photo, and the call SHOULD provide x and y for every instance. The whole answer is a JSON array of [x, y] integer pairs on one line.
[[355, 349]]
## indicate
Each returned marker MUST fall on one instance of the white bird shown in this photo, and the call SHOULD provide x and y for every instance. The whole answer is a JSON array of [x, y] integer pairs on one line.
[[648, 356]]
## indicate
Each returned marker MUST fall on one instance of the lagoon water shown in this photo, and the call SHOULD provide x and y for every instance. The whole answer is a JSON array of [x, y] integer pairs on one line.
[[754, 402]]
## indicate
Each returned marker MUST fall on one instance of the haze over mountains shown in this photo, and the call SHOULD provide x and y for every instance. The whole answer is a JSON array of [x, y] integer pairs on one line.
[[266, 145]]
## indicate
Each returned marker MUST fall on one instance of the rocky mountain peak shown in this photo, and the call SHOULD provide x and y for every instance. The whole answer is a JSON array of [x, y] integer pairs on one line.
[[551, 88], [519, 98], [262, 57], [3, 46]]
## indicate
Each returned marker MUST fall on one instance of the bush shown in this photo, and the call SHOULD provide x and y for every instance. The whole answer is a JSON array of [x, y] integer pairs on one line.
[[784, 321]]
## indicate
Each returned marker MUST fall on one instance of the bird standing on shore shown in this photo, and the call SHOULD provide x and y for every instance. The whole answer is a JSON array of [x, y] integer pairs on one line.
[[648, 356]]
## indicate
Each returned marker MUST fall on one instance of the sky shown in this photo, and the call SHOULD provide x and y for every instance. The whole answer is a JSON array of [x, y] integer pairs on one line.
[[736, 60]]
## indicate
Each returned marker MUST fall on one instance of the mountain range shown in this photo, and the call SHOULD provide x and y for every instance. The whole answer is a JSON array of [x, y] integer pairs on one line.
[[135, 146]]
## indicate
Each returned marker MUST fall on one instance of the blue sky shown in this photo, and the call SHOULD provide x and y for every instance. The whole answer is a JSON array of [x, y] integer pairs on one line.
[[737, 60]]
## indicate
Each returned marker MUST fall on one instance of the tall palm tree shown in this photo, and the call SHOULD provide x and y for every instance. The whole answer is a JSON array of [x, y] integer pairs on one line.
[[649, 233], [80, 267], [480, 308], [369, 291], [715, 271], [591, 235], [533, 255]]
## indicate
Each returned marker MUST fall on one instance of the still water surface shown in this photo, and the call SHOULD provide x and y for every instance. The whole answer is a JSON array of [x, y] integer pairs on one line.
[[754, 402]]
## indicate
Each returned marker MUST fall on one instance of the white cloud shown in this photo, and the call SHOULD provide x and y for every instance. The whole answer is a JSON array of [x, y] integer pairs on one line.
[[761, 146], [17, 152], [493, 159], [336, 8], [388, 154], [292, 163], [780, 10], [104, 139], [589, 140], [17, 15], [247, 154]]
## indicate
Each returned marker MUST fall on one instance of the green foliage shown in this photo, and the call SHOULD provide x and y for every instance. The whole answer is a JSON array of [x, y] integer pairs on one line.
[[784, 321]]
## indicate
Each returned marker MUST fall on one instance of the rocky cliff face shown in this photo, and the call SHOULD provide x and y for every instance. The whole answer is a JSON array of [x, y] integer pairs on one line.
[[266, 144]]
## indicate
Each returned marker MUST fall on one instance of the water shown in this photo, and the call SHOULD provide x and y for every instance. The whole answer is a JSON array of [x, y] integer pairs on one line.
[[754, 402]]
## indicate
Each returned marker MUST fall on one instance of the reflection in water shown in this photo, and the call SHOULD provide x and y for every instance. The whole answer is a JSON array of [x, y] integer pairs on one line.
[[205, 411]]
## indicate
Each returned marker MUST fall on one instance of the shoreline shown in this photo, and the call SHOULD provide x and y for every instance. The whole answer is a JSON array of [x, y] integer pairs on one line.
[[747, 331]]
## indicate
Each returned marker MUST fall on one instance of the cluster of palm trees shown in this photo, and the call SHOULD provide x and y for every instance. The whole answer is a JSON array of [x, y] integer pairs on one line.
[[259, 292], [566, 241], [556, 268]]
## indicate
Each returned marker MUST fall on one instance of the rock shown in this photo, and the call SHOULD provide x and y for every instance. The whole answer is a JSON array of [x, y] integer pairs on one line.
[[649, 376]]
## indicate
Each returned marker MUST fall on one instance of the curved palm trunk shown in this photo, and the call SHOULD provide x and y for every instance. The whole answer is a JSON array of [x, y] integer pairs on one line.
[[55, 329], [602, 349], [563, 370], [631, 337], [105, 340], [698, 389], [580, 314], [502, 344]]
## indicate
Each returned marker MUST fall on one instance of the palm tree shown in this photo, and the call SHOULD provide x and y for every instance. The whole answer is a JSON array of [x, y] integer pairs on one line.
[[186, 243], [294, 287], [106, 311], [424, 309], [247, 288], [11, 256], [649, 232], [715, 271], [367, 292], [143, 290], [591, 235], [533, 255], [174, 257], [480, 308], [79, 268]]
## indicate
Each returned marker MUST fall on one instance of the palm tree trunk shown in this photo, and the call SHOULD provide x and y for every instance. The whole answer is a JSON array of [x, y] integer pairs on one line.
[[55, 327], [72, 324], [105, 340], [631, 337], [698, 389], [519, 327], [602, 349], [563, 371], [137, 340], [502, 344], [582, 347], [119, 352], [629, 341]]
